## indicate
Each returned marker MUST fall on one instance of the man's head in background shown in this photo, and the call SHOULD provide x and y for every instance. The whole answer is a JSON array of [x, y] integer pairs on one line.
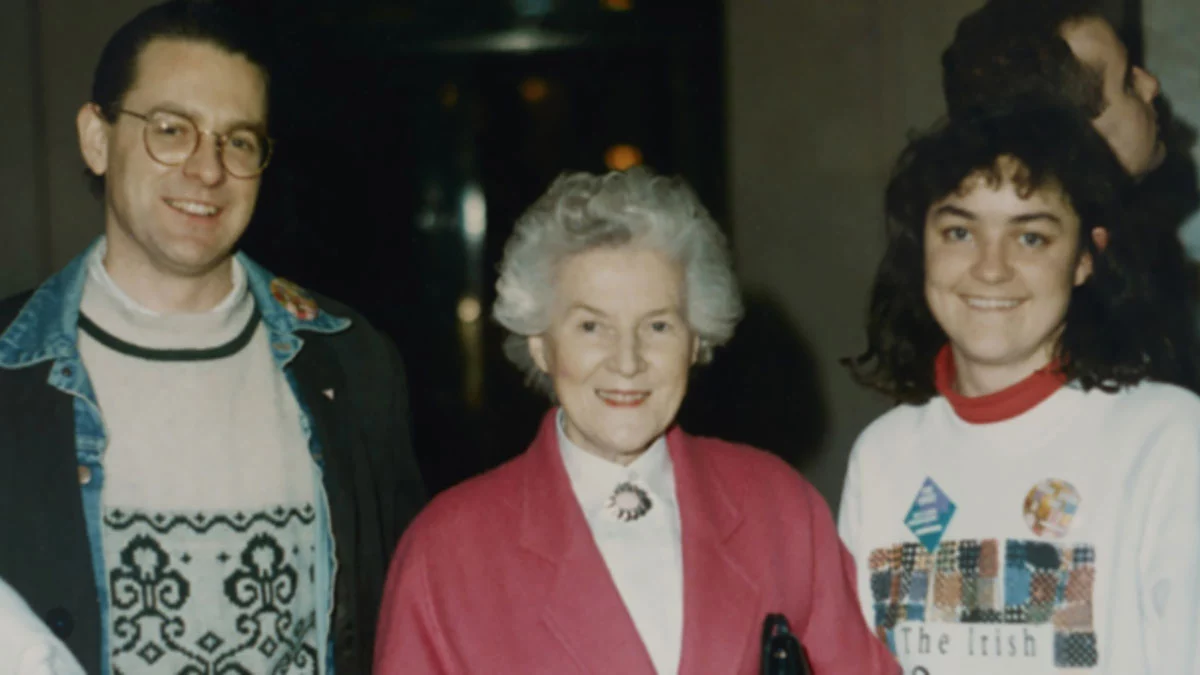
[[1065, 51]]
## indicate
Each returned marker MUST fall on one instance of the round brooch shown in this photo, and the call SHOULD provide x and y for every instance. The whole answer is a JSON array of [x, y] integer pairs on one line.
[[628, 502]]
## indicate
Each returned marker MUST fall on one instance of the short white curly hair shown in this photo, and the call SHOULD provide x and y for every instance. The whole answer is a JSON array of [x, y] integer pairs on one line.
[[583, 211]]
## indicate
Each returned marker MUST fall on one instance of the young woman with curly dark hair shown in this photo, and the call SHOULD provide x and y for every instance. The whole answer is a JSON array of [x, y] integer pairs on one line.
[[1034, 502]]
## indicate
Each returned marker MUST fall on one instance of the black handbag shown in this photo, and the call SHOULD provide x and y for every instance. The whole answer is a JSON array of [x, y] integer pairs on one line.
[[782, 653]]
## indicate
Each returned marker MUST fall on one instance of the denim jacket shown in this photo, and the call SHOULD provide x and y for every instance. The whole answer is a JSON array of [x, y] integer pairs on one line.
[[45, 332]]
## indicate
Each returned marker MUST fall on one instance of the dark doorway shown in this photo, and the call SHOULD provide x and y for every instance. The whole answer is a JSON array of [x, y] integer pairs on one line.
[[411, 136]]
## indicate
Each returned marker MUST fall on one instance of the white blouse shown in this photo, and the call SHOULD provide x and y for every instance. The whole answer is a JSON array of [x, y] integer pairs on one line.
[[643, 555]]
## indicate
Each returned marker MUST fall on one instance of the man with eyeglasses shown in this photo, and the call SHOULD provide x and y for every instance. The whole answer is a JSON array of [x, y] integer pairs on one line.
[[205, 468]]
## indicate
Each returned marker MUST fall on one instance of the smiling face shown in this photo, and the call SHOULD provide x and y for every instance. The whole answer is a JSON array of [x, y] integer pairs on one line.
[[1129, 122], [618, 348], [176, 221], [999, 271]]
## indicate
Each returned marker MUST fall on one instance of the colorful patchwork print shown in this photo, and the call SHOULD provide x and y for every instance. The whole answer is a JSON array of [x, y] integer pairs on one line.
[[963, 582]]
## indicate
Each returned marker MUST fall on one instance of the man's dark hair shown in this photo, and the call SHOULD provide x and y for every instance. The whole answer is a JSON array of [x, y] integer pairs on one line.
[[1014, 49], [208, 22], [1113, 335]]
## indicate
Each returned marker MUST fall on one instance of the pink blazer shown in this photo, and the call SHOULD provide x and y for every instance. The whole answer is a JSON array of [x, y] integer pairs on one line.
[[501, 575]]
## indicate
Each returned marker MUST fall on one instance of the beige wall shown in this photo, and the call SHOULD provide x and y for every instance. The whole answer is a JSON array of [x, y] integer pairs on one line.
[[1173, 55], [821, 97], [22, 253], [48, 49], [73, 33]]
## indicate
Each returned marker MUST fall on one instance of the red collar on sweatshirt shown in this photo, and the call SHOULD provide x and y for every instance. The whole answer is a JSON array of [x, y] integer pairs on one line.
[[1001, 405]]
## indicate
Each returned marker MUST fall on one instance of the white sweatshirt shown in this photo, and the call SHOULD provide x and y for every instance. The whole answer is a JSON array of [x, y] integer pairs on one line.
[[1064, 539]]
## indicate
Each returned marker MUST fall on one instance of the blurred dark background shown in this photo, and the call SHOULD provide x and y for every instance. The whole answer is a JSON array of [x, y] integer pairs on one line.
[[425, 128], [411, 133]]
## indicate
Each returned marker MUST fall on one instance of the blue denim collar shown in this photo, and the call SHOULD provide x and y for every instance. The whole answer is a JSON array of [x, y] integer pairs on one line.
[[278, 319], [46, 327]]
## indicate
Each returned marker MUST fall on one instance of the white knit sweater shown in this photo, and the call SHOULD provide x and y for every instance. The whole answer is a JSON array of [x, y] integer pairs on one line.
[[210, 494]]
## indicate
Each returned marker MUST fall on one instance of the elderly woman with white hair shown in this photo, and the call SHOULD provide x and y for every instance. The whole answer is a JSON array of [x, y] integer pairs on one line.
[[618, 543]]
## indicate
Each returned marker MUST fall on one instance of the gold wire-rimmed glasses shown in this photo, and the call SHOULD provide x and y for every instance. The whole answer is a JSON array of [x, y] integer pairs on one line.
[[171, 138]]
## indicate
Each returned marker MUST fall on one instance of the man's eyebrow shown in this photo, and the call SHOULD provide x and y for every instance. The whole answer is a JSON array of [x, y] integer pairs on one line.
[[253, 125]]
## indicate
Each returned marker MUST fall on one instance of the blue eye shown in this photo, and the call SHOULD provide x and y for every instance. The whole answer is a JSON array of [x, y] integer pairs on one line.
[[1033, 239], [245, 140], [660, 326], [956, 234], [171, 128]]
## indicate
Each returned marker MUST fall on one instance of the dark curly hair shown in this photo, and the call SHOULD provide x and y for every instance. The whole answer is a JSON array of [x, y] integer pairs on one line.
[[235, 30], [1113, 335], [1014, 49]]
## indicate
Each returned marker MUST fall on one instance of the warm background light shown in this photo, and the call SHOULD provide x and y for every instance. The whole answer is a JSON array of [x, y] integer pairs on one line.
[[617, 5], [469, 310], [448, 95], [621, 157], [534, 89]]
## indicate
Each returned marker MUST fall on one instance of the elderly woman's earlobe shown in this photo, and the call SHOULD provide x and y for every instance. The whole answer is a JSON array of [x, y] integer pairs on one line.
[[537, 352]]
